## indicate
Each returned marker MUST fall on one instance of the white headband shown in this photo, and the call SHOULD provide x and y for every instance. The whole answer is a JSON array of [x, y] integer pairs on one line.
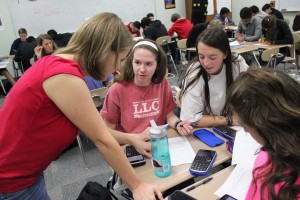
[[145, 43]]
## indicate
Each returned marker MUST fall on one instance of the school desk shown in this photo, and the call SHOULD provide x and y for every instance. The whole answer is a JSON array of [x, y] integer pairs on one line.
[[207, 190], [179, 173]]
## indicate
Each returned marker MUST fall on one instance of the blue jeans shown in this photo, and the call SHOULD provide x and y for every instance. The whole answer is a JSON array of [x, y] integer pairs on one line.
[[36, 191]]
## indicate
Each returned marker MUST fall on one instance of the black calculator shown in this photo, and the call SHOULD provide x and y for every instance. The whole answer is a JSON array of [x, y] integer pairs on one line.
[[203, 162], [225, 131], [134, 157]]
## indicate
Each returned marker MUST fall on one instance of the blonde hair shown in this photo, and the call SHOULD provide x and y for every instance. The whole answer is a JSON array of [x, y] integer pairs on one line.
[[95, 39], [215, 24]]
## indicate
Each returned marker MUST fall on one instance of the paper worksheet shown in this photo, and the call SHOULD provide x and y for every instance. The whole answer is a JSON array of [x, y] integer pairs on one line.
[[244, 154], [181, 151]]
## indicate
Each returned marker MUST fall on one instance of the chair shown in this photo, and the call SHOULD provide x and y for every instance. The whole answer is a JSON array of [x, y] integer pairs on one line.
[[287, 21], [294, 56], [181, 44], [164, 43], [270, 56], [17, 66], [98, 96], [3, 88]]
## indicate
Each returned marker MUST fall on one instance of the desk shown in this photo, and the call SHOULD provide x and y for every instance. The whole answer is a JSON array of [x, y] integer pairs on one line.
[[179, 173], [207, 191]]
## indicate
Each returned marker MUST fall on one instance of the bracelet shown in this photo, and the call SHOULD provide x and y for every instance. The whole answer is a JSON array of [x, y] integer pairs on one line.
[[229, 120], [176, 124]]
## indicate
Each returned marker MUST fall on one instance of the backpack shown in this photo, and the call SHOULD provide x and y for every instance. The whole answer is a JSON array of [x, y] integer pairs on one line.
[[95, 191]]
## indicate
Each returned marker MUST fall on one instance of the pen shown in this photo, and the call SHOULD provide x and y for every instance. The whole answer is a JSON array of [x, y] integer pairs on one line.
[[201, 183]]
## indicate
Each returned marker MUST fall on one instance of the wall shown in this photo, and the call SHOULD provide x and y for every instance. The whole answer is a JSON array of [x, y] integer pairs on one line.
[[7, 36], [164, 15]]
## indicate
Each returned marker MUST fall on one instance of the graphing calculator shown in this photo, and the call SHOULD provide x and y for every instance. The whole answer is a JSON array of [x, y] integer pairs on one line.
[[203, 162], [225, 131], [134, 157], [227, 197]]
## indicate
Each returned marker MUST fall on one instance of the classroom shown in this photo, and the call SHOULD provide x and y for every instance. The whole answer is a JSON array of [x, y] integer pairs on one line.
[[216, 118]]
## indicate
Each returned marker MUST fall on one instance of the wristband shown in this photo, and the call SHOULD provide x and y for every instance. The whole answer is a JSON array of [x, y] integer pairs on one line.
[[176, 124]]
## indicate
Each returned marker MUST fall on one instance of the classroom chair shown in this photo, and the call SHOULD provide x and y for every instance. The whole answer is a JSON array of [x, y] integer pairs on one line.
[[181, 44], [98, 96], [270, 55], [164, 43], [294, 56], [17, 66]]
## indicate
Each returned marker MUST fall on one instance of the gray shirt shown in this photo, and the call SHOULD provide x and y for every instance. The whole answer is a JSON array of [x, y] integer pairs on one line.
[[253, 31]]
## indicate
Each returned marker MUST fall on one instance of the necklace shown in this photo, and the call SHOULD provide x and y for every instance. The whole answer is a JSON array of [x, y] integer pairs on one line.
[[143, 94]]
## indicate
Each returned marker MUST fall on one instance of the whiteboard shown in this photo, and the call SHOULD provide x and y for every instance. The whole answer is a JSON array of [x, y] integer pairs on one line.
[[38, 16], [289, 5]]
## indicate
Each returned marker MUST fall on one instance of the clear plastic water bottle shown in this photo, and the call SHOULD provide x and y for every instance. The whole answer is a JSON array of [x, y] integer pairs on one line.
[[160, 151]]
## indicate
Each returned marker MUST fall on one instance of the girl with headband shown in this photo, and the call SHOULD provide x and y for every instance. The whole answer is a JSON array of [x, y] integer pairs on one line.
[[142, 93]]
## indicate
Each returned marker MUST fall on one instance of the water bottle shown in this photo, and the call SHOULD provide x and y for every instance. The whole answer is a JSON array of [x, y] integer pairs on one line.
[[160, 151]]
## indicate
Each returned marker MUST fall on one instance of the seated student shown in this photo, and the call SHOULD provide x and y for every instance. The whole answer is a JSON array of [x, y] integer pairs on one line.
[[197, 30], [205, 84], [296, 23], [150, 16], [15, 45], [134, 28], [5, 72], [256, 12], [26, 52], [276, 31], [224, 13], [266, 103], [181, 26], [142, 93], [267, 8], [153, 29], [61, 39], [249, 28], [45, 46]]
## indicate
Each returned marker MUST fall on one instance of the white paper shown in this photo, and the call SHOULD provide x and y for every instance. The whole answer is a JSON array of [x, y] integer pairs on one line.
[[245, 149], [237, 183], [234, 43], [3, 64], [181, 151]]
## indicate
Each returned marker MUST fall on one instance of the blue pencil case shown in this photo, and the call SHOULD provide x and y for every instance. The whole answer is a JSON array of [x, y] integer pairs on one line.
[[208, 137]]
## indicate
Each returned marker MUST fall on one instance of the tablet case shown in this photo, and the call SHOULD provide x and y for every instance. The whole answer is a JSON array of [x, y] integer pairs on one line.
[[208, 137]]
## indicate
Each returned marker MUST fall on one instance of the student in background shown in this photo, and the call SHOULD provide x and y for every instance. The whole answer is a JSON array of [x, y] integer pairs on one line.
[[197, 30], [150, 16], [149, 95], [205, 84], [134, 28], [256, 12], [296, 23], [272, 11], [181, 26], [153, 29], [249, 28], [15, 45], [276, 31], [57, 105], [266, 103], [45, 46], [224, 13], [26, 52], [61, 39]]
